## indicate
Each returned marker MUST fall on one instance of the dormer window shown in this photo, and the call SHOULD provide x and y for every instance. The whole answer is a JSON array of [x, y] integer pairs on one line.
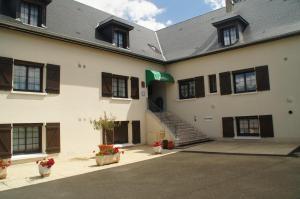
[[115, 32], [230, 35], [229, 30], [30, 14]]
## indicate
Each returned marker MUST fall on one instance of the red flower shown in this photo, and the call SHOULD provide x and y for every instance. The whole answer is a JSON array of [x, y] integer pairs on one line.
[[156, 144]]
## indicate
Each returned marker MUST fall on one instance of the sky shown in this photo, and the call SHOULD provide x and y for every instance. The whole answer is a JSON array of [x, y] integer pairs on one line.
[[155, 14]]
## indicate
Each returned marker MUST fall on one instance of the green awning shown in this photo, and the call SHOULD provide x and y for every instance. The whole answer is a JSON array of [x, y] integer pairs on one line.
[[152, 75]]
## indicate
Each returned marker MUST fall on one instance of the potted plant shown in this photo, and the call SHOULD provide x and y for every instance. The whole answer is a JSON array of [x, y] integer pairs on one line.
[[4, 163], [106, 124], [171, 145], [45, 166], [108, 154], [165, 144], [157, 148]]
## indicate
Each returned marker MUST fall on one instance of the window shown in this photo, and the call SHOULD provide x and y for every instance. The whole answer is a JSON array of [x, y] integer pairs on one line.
[[230, 36], [119, 86], [212, 83], [245, 81], [247, 126], [26, 139], [27, 78], [30, 13], [119, 39], [187, 89]]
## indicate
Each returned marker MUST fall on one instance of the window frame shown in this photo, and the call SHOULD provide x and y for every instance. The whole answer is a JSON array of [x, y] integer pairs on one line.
[[213, 79], [25, 126], [248, 118], [29, 65], [119, 77], [186, 82], [125, 38], [30, 6], [229, 29], [244, 73]]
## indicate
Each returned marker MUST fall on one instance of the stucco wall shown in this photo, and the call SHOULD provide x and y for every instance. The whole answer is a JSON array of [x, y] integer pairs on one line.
[[80, 99], [283, 96]]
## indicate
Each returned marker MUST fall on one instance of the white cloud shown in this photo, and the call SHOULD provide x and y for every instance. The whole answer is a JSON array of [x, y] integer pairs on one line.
[[215, 4], [142, 12]]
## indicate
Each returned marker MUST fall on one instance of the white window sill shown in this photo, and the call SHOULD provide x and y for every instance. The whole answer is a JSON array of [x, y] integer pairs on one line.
[[247, 138], [28, 93], [183, 100], [28, 156], [246, 93], [121, 99]]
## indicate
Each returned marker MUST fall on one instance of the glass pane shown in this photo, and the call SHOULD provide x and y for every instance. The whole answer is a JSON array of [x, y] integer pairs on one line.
[[21, 141], [121, 39], [240, 82], [122, 88], [20, 77], [184, 90], [226, 37], [115, 39], [24, 12], [36, 140], [29, 141], [34, 15], [34, 77], [35, 146], [192, 89], [233, 35], [251, 81], [115, 87]]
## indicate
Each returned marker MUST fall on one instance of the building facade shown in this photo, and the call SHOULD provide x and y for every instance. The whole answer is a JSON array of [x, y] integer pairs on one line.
[[63, 64]]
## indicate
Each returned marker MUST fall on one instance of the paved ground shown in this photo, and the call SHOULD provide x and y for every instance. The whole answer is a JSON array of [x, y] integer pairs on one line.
[[27, 174], [255, 147], [181, 175]]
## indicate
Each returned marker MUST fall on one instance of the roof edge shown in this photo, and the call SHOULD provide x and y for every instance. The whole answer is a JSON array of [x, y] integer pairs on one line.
[[274, 38]]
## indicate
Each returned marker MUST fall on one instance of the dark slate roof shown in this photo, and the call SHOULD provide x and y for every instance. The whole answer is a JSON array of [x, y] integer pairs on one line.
[[75, 22], [197, 36]]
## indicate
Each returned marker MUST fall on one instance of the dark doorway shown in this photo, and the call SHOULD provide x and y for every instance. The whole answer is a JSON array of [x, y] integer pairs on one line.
[[136, 132]]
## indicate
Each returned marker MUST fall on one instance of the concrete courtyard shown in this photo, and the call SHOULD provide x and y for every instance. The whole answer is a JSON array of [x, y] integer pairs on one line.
[[180, 175]]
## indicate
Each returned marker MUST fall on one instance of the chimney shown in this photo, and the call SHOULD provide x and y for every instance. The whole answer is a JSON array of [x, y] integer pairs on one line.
[[229, 5]]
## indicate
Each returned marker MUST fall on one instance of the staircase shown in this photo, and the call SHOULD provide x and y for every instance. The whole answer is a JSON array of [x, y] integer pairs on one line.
[[184, 133]]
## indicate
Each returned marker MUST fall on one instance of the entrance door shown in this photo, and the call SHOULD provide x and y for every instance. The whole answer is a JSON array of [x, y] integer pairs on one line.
[[136, 132]]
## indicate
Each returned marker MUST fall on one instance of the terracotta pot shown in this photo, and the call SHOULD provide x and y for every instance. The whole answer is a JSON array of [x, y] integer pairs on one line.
[[44, 171], [157, 149], [3, 173], [107, 159]]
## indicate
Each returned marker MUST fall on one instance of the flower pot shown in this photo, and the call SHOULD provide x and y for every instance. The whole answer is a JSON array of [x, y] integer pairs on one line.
[[157, 149], [44, 171], [3, 173], [107, 159]]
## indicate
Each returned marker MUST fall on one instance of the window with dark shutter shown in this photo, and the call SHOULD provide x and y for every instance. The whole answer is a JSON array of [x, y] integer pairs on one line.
[[228, 127], [199, 87], [225, 83], [212, 83], [6, 65], [262, 78], [52, 138], [106, 85], [266, 126], [187, 88], [136, 132], [135, 88], [5, 141], [121, 133], [53, 79]]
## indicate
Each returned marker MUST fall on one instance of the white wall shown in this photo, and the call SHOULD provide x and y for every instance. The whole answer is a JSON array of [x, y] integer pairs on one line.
[[80, 99], [284, 80]]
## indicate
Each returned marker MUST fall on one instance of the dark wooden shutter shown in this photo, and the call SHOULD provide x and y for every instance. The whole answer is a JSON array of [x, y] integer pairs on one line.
[[52, 138], [199, 87], [106, 85], [135, 91], [228, 127], [136, 132], [5, 141], [225, 83], [266, 126], [212, 83], [262, 78], [121, 133], [53, 79], [6, 65], [109, 137]]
